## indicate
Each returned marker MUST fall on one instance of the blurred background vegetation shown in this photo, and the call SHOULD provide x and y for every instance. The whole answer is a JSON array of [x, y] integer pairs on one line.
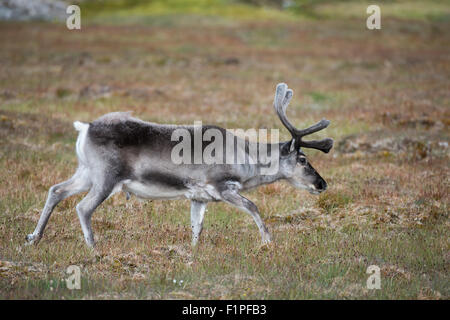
[[143, 10]]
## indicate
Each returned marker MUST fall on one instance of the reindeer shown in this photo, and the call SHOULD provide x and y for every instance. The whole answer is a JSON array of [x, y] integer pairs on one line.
[[117, 152]]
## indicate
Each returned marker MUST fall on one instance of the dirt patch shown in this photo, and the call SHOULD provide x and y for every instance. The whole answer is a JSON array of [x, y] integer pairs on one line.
[[415, 147]]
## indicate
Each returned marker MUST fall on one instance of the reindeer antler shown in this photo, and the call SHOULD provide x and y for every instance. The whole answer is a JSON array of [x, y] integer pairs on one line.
[[283, 96]]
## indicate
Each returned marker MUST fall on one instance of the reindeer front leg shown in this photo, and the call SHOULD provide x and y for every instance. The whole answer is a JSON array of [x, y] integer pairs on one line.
[[231, 196], [197, 215]]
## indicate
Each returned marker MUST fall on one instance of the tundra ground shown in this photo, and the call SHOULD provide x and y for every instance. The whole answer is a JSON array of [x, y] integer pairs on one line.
[[386, 93]]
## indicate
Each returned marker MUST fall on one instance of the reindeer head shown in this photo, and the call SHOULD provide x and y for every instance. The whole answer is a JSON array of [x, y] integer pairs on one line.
[[299, 172]]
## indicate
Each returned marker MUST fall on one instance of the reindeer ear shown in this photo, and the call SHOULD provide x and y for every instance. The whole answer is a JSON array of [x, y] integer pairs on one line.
[[292, 147], [286, 148]]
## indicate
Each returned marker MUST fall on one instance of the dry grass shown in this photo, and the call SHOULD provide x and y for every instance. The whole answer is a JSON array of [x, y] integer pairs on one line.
[[385, 92]]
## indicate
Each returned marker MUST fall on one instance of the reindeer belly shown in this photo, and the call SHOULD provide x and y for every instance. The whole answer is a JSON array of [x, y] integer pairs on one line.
[[200, 192], [153, 191]]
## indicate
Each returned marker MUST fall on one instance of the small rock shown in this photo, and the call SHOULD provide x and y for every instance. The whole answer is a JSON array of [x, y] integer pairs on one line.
[[7, 94], [231, 61], [25, 10], [95, 91]]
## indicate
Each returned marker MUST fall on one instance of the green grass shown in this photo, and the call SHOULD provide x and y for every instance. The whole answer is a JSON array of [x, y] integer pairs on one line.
[[185, 12], [437, 10], [322, 265], [168, 12]]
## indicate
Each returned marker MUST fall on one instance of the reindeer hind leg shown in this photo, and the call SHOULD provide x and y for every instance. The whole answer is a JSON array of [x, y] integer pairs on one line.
[[78, 183], [87, 206]]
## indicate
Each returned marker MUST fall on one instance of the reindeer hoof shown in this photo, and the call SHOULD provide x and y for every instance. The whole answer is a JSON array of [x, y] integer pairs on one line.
[[31, 239], [264, 246], [266, 240], [90, 244]]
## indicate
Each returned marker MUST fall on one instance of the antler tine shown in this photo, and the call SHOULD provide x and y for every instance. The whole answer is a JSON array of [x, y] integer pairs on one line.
[[323, 145], [322, 124], [283, 96]]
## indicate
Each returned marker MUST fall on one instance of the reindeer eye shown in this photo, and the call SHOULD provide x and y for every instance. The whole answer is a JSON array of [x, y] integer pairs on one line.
[[302, 160]]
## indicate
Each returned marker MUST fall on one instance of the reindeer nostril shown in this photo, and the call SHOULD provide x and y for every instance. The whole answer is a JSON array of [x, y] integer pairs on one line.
[[322, 185]]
